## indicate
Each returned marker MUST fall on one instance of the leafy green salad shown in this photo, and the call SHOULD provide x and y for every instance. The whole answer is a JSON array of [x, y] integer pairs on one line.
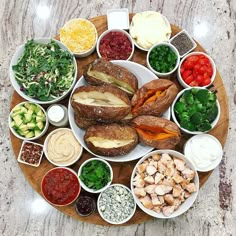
[[95, 174], [45, 71], [196, 109]]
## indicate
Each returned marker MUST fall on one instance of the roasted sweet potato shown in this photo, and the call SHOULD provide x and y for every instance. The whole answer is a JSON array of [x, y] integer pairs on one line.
[[154, 98], [111, 140], [105, 72], [157, 132], [103, 103]]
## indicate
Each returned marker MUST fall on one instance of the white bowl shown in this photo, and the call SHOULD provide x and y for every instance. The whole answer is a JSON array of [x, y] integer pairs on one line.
[[33, 138], [45, 149], [76, 22], [90, 190], [144, 13], [197, 150], [19, 52], [100, 212], [185, 205], [213, 124], [179, 77], [53, 182], [115, 30], [173, 48]]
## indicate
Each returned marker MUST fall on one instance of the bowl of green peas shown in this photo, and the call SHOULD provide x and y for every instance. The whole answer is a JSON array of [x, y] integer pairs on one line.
[[163, 59]]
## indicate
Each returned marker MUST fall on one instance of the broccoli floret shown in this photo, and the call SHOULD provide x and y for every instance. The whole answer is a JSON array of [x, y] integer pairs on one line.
[[196, 118], [212, 112], [179, 107], [202, 96], [188, 97], [205, 126]]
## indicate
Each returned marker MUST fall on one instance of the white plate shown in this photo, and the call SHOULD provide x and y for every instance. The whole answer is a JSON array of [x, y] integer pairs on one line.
[[144, 76]]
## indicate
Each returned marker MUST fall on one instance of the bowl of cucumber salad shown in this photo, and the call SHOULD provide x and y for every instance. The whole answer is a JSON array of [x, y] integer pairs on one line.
[[43, 71], [28, 121]]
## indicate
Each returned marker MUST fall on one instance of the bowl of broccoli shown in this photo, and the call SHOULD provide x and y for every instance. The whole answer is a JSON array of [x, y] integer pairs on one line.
[[196, 110]]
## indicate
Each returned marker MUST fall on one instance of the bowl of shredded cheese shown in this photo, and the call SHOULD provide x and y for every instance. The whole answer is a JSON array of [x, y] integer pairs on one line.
[[80, 36]]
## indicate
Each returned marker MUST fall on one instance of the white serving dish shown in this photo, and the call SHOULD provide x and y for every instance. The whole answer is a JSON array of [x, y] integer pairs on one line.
[[90, 190], [144, 76], [19, 52], [118, 18], [185, 205], [213, 124]]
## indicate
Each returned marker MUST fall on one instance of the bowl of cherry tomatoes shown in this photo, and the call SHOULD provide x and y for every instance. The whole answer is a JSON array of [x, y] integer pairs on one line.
[[196, 69]]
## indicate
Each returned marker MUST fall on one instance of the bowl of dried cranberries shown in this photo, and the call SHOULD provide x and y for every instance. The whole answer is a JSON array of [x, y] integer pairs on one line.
[[196, 69], [115, 44]]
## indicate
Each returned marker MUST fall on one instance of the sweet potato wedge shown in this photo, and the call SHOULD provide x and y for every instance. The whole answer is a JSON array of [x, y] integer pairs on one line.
[[111, 140], [102, 103], [154, 98], [157, 132], [102, 72]]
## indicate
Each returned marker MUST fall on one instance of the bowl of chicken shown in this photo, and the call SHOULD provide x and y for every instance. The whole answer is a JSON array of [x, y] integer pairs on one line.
[[164, 183]]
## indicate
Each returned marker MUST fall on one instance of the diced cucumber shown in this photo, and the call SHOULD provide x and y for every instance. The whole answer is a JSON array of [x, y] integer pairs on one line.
[[27, 105], [16, 113], [33, 107], [40, 113], [23, 127], [31, 125], [28, 117], [40, 118], [16, 108], [18, 120], [40, 125], [30, 112], [37, 132], [30, 134], [23, 110], [13, 124]]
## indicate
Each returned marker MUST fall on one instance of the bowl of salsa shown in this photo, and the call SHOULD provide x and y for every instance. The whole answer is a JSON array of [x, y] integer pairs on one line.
[[60, 186]]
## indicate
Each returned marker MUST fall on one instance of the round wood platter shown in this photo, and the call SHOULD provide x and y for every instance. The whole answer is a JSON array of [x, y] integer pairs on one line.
[[122, 171]]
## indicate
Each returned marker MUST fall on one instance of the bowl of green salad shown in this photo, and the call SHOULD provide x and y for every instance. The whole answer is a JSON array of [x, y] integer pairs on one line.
[[196, 110], [163, 59], [95, 175], [43, 70]]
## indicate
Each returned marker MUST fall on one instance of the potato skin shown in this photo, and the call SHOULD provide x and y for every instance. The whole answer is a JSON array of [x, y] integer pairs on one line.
[[111, 132], [83, 123], [152, 121], [108, 68], [161, 104], [101, 113]]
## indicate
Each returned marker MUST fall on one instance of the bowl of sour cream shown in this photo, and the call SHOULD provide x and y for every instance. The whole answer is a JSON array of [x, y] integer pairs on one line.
[[204, 151]]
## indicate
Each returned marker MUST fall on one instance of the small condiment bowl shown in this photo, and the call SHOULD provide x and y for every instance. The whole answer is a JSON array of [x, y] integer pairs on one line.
[[82, 202], [99, 207], [174, 117], [173, 49], [186, 204], [19, 159], [180, 78], [121, 50], [61, 145], [197, 150], [76, 23], [187, 35], [85, 187], [52, 187], [10, 120]]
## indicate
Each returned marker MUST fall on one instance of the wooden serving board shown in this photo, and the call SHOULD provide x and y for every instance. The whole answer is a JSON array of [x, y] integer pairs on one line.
[[122, 171]]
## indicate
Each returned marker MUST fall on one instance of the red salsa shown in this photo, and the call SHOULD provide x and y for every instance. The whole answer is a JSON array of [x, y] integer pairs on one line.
[[60, 186], [115, 46]]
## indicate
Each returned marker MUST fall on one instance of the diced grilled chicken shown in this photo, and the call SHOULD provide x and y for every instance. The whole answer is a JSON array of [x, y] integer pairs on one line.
[[146, 201], [162, 189], [139, 182], [177, 190], [151, 170], [169, 199], [188, 173], [142, 167], [155, 199], [140, 192], [168, 210], [177, 178], [150, 188], [149, 179], [161, 167], [191, 188], [180, 164], [158, 177], [156, 157]]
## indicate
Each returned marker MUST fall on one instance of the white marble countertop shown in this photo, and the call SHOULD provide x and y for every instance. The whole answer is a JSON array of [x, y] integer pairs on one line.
[[212, 23]]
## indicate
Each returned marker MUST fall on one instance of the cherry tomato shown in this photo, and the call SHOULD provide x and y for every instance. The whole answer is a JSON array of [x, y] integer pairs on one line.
[[186, 73], [181, 70], [206, 82], [199, 79], [196, 67], [192, 58], [189, 79], [202, 69], [188, 65], [203, 61], [210, 70], [193, 83]]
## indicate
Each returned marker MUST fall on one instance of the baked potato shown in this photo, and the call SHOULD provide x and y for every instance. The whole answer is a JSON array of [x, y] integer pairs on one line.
[[102, 103], [154, 98], [157, 132], [105, 72], [111, 140]]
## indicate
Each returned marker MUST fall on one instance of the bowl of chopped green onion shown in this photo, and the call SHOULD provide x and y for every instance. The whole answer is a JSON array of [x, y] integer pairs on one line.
[[196, 110], [95, 175], [43, 71], [163, 59]]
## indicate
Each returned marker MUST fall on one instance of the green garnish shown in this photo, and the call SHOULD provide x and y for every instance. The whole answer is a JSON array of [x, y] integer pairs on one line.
[[45, 71], [95, 174], [162, 59], [196, 109]]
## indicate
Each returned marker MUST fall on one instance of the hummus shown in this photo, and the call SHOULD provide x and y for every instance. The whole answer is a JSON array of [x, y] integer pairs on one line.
[[63, 148], [149, 28]]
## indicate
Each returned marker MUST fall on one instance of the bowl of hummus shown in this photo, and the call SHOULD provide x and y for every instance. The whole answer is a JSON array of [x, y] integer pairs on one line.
[[61, 148], [149, 28]]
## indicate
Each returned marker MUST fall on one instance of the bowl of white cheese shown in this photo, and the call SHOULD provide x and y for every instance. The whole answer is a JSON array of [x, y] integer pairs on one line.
[[149, 28], [204, 151]]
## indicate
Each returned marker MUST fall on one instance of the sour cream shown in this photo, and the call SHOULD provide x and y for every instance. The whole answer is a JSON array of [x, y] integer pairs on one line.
[[204, 151], [149, 28]]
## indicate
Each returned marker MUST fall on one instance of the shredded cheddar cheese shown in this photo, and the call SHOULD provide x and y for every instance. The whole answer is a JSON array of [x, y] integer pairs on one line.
[[79, 35]]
